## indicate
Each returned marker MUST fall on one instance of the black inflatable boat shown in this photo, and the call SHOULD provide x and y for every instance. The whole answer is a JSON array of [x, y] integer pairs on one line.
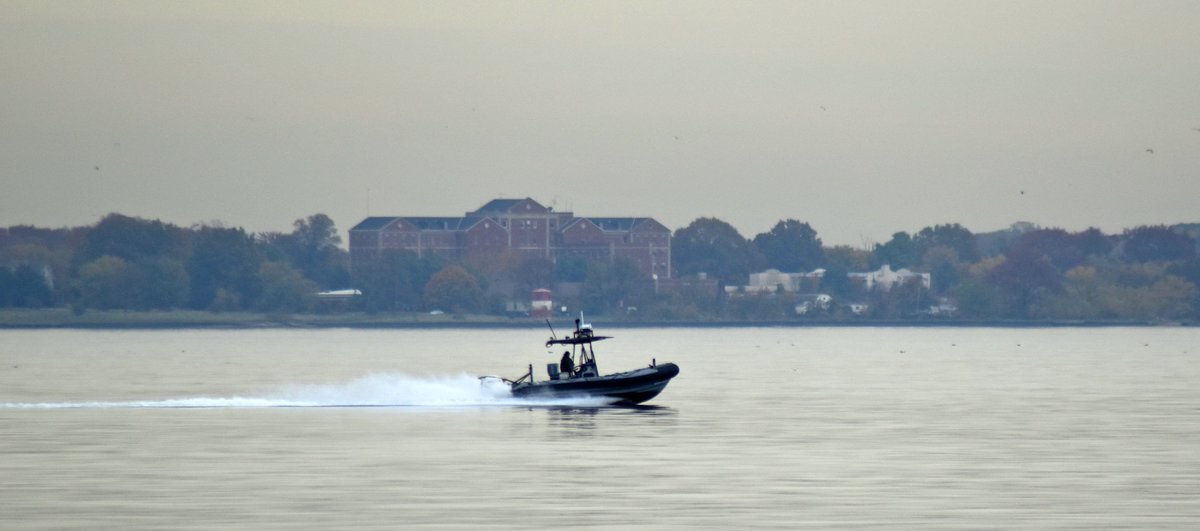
[[577, 375]]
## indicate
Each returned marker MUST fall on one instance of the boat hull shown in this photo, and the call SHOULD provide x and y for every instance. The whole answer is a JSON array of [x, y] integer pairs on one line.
[[632, 387]]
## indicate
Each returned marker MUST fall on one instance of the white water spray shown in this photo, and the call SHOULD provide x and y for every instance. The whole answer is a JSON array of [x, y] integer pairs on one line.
[[373, 390]]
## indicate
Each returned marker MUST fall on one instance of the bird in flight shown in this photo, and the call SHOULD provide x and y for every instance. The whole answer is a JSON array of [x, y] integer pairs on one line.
[[1150, 151]]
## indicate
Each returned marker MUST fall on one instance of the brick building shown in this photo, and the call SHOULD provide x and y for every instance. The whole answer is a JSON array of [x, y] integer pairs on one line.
[[521, 227]]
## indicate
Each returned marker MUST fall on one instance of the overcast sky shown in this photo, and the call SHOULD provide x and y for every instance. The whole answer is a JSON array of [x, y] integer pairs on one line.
[[861, 118]]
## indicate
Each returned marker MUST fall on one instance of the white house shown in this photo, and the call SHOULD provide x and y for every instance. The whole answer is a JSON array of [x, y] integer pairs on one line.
[[884, 278], [775, 281], [771, 280]]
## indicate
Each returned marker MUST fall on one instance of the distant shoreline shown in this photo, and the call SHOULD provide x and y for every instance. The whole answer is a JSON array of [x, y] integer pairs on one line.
[[61, 318]]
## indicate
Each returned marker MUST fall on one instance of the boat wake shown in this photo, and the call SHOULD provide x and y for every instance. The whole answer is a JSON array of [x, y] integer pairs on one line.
[[373, 390]]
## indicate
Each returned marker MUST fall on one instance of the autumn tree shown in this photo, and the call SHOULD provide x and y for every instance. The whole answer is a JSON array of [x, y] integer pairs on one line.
[[1025, 277], [454, 289]]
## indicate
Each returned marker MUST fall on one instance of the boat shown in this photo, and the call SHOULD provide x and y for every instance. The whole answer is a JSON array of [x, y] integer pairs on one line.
[[577, 374]]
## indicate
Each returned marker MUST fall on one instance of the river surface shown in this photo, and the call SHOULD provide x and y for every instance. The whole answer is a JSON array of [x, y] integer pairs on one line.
[[922, 428]]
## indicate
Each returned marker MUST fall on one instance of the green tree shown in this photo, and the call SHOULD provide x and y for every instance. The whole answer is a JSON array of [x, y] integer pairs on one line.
[[313, 247], [571, 268], [1092, 242], [7, 287], [24, 287], [52, 265], [1157, 244], [1189, 270], [609, 287], [454, 289], [395, 280], [951, 235], [223, 259], [905, 299], [148, 283], [130, 239], [107, 283], [901, 251], [978, 299], [836, 280], [1056, 245], [284, 289], [791, 246], [942, 264], [161, 283], [534, 272], [1085, 294], [849, 258], [1170, 298], [709, 245]]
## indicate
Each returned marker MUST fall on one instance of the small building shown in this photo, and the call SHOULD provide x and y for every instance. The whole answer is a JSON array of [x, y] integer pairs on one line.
[[541, 305], [884, 278], [338, 299], [773, 280]]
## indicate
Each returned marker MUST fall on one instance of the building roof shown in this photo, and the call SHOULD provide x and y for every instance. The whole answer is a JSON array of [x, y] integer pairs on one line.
[[617, 224], [504, 206], [374, 223], [499, 205], [443, 223], [613, 224], [435, 222]]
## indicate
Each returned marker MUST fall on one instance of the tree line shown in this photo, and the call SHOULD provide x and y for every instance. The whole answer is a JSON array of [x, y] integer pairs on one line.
[[125, 262], [1023, 272]]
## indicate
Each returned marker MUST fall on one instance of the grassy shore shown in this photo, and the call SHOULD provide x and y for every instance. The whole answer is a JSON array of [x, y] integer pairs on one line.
[[64, 318]]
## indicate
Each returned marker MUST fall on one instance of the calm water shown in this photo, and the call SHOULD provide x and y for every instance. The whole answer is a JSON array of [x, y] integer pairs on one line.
[[764, 428]]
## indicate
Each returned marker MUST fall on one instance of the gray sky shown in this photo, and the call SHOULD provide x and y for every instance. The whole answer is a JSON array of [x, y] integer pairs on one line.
[[860, 118]]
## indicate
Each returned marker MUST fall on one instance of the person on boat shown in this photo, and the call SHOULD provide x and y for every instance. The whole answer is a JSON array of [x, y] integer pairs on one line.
[[566, 365]]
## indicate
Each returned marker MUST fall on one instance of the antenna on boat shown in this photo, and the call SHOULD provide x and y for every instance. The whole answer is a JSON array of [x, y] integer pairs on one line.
[[552, 334]]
